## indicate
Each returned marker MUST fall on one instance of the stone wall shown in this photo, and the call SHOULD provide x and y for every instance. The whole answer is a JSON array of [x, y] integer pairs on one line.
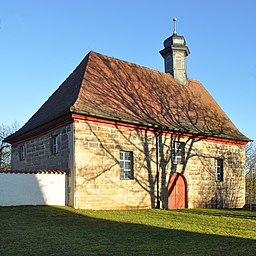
[[97, 171], [203, 189], [38, 152]]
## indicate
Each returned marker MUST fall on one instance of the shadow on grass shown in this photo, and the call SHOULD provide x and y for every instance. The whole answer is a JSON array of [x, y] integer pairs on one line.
[[234, 213], [59, 231]]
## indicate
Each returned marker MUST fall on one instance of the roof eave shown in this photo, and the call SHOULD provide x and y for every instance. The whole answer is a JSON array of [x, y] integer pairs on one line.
[[160, 127], [41, 129]]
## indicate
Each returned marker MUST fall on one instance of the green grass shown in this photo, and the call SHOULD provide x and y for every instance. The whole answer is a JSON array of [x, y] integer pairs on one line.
[[66, 231]]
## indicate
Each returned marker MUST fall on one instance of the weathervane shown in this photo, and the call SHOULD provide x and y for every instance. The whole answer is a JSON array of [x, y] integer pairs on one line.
[[174, 24]]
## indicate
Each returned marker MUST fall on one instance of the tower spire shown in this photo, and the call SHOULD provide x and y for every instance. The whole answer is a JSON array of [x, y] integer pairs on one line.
[[174, 26]]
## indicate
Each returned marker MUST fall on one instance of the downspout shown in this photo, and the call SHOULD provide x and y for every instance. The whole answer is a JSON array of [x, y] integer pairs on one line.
[[157, 132], [74, 167], [72, 178]]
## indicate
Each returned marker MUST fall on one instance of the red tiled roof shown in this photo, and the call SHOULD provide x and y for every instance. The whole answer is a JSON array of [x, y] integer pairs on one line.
[[109, 88], [36, 172]]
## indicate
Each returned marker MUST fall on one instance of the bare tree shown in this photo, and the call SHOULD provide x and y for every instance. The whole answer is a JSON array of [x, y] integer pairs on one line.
[[251, 173], [5, 148]]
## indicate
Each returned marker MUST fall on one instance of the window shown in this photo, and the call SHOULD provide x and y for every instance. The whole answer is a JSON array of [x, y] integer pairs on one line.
[[179, 152], [126, 165], [55, 144], [22, 152], [218, 169]]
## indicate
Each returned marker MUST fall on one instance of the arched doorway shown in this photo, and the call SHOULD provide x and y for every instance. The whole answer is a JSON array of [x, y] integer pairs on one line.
[[177, 192]]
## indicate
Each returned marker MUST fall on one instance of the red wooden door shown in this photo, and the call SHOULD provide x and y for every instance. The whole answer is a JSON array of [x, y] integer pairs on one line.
[[177, 192]]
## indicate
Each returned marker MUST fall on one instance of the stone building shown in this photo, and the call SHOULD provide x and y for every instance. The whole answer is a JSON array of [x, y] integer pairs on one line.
[[129, 137]]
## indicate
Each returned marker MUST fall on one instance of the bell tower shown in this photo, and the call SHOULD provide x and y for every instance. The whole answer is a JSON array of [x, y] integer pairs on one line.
[[174, 53]]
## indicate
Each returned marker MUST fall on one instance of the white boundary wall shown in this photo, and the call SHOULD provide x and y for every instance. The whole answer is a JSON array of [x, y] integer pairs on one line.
[[33, 189]]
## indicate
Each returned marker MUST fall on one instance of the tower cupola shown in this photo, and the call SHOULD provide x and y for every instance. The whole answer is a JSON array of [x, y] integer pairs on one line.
[[174, 53]]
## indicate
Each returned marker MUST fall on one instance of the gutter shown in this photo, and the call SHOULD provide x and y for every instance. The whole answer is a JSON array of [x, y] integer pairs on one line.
[[158, 132]]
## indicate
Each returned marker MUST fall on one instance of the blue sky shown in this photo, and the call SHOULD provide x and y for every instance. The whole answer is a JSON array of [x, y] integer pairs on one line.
[[41, 42]]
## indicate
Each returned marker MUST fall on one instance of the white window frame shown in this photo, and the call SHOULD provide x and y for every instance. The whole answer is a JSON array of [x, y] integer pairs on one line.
[[219, 169], [22, 153], [55, 144], [178, 152], [126, 165]]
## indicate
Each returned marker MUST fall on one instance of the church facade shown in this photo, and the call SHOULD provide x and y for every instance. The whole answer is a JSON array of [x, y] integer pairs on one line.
[[129, 137]]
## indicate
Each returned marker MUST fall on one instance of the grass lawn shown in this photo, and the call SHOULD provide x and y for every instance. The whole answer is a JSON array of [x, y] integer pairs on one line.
[[65, 231]]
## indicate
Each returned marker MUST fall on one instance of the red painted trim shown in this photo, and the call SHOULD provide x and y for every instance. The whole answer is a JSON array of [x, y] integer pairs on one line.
[[111, 123], [119, 124], [43, 129], [74, 117], [226, 141]]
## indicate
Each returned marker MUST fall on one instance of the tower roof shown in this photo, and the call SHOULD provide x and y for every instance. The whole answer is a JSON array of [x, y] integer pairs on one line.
[[174, 53]]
